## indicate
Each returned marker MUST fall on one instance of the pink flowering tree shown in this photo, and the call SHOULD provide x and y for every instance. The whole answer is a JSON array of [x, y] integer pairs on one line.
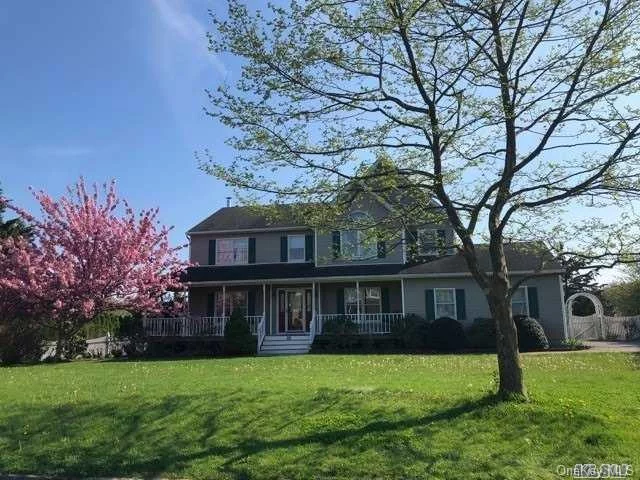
[[90, 253]]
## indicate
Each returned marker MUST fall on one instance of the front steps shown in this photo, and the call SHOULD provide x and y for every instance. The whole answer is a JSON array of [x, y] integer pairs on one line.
[[285, 345]]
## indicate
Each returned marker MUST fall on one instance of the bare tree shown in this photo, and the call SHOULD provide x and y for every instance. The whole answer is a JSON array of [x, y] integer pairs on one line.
[[509, 113]]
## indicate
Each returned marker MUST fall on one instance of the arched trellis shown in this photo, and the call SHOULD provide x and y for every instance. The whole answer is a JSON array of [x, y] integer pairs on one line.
[[594, 321]]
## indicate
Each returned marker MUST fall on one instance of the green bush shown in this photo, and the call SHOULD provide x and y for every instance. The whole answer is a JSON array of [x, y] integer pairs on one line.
[[446, 334], [74, 346], [21, 340], [237, 336], [482, 333], [411, 332], [356, 344], [339, 325], [531, 335], [130, 332]]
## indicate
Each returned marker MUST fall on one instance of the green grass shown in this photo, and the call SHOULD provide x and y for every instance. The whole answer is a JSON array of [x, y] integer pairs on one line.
[[359, 416]]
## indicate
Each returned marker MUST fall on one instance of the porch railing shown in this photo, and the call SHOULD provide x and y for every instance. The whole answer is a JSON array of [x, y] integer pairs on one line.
[[261, 332], [193, 326], [366, 323]]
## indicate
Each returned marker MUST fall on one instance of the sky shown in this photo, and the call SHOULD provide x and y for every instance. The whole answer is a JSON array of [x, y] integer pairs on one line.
[[114, 90], [111, 90]]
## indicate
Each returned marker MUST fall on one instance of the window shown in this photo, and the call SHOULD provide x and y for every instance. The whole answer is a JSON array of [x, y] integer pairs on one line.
[[296, 248], [445, 302], [431, 241], [520, 302], [232, 251], [236, 299], [354, 243], [370, 300]]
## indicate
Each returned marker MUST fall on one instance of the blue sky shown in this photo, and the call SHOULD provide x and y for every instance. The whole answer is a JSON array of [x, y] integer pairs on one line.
[[111, 90]]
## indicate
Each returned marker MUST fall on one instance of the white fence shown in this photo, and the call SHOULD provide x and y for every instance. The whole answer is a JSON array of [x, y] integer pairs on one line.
[[193, 326], [602, 327], [366, 323]]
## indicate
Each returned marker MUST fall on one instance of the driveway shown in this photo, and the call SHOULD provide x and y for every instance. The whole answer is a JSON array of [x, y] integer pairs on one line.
[[604, 346]]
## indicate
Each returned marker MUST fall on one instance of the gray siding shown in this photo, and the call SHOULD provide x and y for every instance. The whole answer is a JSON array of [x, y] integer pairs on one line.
[[549, 299]]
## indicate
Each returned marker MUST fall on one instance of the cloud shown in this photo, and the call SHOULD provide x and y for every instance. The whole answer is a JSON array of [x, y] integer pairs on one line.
[[61, 151], [177, 20]]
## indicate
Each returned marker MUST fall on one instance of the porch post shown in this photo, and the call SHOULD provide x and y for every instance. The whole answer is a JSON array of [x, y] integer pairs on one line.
[[270, 305], [224, 300], [264, 301], [313, 304], [402, 294], [358, 298]]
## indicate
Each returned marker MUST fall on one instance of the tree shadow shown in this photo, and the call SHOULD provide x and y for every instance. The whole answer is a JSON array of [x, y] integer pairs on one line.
[[235, 435]]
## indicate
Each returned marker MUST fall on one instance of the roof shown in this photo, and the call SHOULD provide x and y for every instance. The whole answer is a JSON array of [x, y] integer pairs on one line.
[[521, 257], [244, 218]]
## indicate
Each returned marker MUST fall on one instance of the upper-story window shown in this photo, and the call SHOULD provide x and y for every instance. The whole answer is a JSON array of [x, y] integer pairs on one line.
[[430, 241], [296, 248], [354, 243], [232, 251]]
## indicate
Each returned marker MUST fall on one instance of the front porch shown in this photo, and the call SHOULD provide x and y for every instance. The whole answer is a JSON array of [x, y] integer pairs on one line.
[[271, 309]]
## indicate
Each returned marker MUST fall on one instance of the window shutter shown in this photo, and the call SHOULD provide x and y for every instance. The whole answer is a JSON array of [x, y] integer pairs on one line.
[[382, 249], [251, 302], [308, 248], [461, 305], [340, 301], [335, 237], [211, 304], [430, 306], [284, 249], [252, 250], [212, 252], [442, 242], [385, 300], [534, 309]]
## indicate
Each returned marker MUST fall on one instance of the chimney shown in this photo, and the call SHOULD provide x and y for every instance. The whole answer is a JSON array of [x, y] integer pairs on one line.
[[228, 201]]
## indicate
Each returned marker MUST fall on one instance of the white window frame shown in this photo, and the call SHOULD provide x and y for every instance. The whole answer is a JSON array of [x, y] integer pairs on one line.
[[218, 244], [435, 302], [360, 252], [362, 299], [434, 231], [304, 248], [526, 300], [228, 303]]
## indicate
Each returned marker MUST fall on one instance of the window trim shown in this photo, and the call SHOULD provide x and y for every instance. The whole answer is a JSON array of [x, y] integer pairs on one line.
[[526, 300], [232, 239], [436, 250], [362, 299], [304, 248], [359, 243], [228, 311], [435, 302]]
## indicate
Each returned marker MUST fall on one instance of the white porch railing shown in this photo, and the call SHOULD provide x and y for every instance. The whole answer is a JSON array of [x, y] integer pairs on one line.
[[261, 331], [367, 323], [193, 326]]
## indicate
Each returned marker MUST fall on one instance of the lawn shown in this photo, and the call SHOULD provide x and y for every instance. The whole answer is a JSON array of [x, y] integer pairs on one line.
[[358, 416]]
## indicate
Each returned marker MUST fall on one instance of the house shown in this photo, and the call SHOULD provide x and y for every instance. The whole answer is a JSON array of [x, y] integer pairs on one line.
[[290, 279]]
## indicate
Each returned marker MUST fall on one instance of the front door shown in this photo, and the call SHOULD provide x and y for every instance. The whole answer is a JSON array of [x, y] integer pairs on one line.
[[294, 310]]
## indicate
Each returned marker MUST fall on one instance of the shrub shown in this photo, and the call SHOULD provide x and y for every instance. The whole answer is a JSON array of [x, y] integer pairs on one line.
[[339, 325], [446, 334], [237, 335], [482, 333], [531, 335], [573, 344], [130, 332], [21, 340], [411, 332], [74, 346]]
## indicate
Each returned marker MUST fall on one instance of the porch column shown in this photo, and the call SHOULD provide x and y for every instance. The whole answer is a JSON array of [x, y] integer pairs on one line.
[[358, 299], [313, 304], [402, 295], [270, 306], [224, 300], [264, 301]]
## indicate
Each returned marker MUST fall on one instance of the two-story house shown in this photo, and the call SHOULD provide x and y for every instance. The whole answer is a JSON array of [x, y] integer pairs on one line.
[[289, 279]]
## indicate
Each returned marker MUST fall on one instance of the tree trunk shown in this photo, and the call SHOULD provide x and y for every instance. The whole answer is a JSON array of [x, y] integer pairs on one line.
[[510, 370]]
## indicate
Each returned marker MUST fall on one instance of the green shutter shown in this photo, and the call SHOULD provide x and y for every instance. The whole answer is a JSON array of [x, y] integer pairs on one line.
[[335, 241], [284, 249], [308, 248], [212, 252], [385, 300], [211, 304], [430, 306], [382, 249], [534, 309], [461, 305], [252, 250], [340, 300], [251, 302]]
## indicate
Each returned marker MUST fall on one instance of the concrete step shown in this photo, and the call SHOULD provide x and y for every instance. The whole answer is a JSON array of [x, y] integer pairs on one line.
[[286, 338], [273, 353]]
